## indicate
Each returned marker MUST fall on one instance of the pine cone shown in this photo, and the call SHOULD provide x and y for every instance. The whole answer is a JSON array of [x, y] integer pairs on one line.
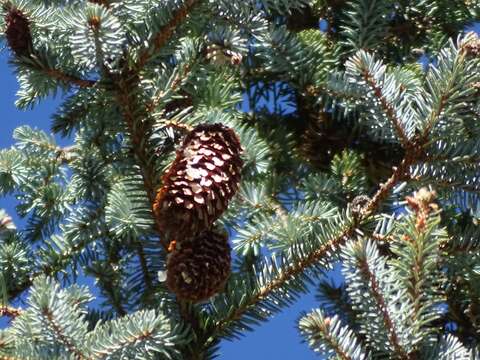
[[178, 104], [472, 45], [320, 140], [302, 18], [100, 2], [203, 178], [199, 267], [18, 32]]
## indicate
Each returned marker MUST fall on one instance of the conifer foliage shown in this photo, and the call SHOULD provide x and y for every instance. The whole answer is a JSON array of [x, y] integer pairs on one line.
[[317, 134]]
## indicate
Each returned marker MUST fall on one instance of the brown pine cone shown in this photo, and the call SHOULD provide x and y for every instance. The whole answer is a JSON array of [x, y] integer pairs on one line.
[[100, 2], [203, 178], [302, 18], [199, 267], [17, 32]]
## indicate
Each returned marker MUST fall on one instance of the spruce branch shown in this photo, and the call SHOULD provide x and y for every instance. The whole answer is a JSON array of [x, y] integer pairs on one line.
[[370, 276], [109, 287], [139, 129], [144, 334], [400, 173], [51, 269], [283, 277], [70, 346], [172, 87], [68, 79], [61, 259], [291, 271], [386, 106], [162, 37], [330, 337], [450, 86], [37, 63]]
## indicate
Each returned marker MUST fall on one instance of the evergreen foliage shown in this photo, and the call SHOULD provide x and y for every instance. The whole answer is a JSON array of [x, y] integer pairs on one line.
[[358, 122]]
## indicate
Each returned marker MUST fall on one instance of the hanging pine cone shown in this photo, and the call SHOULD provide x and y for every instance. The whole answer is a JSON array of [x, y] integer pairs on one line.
[[17, 32], [203, 178], [320, 141], [100, 2], [178, 104], [302, 18], [199, 267]]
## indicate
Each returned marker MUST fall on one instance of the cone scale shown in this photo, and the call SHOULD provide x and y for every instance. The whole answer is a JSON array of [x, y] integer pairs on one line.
[[200, 182], [199, 267]]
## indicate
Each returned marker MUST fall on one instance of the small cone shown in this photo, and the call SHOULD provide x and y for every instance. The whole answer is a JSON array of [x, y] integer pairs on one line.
[[17, 32], [302, 18], [199, 184], [199, 267]]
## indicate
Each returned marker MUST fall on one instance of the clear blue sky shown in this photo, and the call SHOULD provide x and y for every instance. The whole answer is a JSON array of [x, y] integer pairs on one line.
[[278, 339]]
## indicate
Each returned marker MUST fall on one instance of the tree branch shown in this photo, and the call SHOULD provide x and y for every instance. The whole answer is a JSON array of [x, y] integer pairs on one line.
[[323, 327], [314, 257], [126, 86], [10, 311], [162, 37], [78, 355], [380, 300], [387, 108], [70, 79]]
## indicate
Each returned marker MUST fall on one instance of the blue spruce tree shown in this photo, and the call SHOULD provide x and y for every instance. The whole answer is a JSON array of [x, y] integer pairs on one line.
[[224, 155]]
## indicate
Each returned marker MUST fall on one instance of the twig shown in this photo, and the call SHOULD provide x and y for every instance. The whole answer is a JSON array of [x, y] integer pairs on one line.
[[58, 75], [138, 130], [5, 222], [280, 211], [387, 320], [162, 37], [69, 345], [388, 108], [10, 311]]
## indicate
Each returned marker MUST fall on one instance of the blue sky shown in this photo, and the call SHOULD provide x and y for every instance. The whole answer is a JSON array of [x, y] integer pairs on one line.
[[278, 339]]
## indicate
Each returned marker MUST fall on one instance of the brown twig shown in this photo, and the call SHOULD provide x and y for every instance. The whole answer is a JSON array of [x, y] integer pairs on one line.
[[105, 3], [63, 339], [280, 211], [380, 300], [5, 222], [387, 108], [10, 311], [58, 75], [162, 37], [138, 131], [183, 128]]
